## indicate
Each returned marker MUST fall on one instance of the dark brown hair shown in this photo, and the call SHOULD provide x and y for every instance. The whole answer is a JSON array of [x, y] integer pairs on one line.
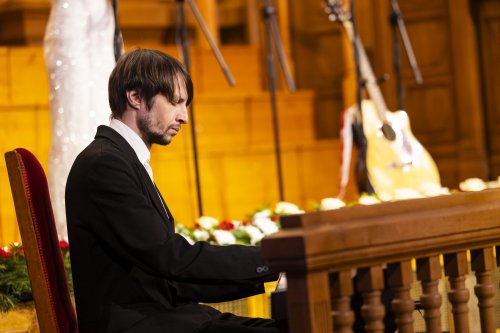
[[150, 72]]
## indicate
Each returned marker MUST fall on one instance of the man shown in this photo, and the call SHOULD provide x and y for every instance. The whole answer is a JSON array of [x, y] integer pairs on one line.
[[131, 271]]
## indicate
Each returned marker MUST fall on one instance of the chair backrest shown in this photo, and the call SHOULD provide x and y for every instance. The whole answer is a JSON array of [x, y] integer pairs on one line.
[[35, 217]]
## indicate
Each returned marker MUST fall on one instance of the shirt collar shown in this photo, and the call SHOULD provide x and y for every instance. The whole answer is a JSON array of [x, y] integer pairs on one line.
[[133, 140]]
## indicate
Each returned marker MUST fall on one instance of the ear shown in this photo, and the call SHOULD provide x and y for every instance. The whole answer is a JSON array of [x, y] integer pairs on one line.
[[134, 99]]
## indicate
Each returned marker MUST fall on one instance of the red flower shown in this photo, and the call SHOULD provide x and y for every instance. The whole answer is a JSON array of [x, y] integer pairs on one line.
[[63, 245], [226, 225], [197, 226], [4, 254], [275, 218], [246, 222]]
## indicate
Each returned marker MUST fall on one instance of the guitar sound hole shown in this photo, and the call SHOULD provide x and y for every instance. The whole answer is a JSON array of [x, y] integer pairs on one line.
[[388, 132]]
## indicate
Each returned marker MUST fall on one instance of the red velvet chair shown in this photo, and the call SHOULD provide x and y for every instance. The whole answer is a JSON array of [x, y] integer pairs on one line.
[[35, 217]]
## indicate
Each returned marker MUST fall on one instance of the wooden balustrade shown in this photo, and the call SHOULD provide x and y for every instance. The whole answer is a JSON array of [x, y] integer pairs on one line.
[[319, 252]]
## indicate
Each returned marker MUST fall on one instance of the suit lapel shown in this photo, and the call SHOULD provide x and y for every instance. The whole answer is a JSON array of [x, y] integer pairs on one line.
[[170, 216], [154, 195]]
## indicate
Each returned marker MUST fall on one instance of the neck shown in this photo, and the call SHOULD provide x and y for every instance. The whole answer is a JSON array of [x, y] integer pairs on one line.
[[129, 119]]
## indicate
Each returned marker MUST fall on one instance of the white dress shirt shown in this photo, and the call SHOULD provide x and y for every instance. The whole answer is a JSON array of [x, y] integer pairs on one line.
[[135, 142]]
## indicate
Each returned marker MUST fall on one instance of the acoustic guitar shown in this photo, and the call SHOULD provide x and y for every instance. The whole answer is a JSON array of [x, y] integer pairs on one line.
[[394, 158]]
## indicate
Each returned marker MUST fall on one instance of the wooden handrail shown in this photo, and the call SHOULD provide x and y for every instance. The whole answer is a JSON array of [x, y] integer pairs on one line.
[[314, 248]]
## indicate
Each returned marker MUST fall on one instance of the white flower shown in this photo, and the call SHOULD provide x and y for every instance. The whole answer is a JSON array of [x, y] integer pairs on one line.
[[236, 223], [201, 235], [287, 208], [207, 222], [472, 184], [433, 189], [331, 203], [384, 196], [189, 240], [366, 199], [255, 234], [266, 225], [223, 237], [263, 213], [494, 183], [406, 193]]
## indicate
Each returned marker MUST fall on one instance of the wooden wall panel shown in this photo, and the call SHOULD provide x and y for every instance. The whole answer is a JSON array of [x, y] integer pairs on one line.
[[22, 127], [318, 59], [27, 76], [4, 75], [489, 22], [237, 161], [431, 112], [22, 22], [446, 112]]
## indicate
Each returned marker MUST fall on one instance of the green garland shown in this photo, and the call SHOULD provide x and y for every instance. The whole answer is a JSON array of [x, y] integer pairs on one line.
[[15, 286]]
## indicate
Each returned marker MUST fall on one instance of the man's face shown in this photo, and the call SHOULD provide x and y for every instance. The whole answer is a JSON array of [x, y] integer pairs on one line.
[[163, 121]]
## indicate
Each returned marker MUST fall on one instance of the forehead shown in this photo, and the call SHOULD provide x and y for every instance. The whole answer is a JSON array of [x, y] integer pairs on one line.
[[180, 87]]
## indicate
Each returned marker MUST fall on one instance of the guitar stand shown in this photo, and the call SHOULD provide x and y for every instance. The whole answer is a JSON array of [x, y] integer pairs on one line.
[[397, 23]]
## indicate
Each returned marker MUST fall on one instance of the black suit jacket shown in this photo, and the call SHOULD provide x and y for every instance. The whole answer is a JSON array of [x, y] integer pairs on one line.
[[130, 269]]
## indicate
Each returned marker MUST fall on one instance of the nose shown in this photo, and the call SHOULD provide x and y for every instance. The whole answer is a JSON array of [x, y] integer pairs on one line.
[[182, 115]]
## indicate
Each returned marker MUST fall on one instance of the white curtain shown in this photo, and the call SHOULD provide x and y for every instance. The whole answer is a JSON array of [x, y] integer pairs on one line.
[[78, 48]]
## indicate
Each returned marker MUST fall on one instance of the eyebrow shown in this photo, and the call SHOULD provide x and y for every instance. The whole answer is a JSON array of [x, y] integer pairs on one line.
[[178, 99]]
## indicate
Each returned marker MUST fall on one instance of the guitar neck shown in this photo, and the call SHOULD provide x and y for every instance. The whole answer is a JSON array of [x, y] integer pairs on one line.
[[369, 78]]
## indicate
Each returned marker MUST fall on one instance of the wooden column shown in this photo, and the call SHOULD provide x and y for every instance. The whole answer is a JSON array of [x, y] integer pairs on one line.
[[341, 292], [400, 278], [456, 268], [467, 81], [370, 282], [308, 302], [482, 262], [429, 273]]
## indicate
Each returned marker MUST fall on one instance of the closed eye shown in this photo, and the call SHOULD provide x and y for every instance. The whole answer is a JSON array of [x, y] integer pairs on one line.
[[178, 101]]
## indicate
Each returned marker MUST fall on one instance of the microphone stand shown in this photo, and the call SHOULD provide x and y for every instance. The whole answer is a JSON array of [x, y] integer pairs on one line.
[[182, 35], [362, 177], [397, 23], [272, 37], [117, 35]]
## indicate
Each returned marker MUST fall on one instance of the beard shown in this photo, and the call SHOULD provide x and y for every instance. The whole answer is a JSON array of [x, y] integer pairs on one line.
[[151, 136]]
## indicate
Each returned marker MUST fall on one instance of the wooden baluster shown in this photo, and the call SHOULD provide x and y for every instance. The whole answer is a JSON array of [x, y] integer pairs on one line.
[[429, 273], [456, 267], [400, 278], [482, 262], [370, 282], [308, 300], [341, 292]]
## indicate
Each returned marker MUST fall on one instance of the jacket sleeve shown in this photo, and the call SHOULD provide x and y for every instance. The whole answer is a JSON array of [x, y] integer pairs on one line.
[[214, 293], [137, 233]]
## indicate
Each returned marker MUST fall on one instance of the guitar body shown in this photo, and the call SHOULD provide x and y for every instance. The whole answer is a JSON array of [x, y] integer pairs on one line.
[[398, 164]]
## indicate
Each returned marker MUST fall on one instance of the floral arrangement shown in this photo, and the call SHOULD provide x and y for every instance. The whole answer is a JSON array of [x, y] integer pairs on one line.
[[247, 232], [15, 285]]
